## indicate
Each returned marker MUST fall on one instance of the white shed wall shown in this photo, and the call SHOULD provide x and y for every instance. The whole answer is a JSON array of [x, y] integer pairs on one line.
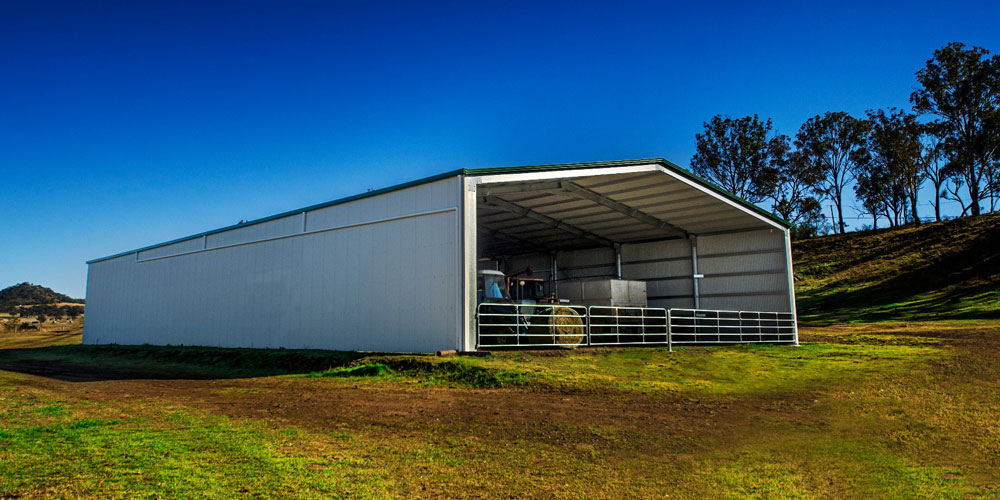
[[380, 273]]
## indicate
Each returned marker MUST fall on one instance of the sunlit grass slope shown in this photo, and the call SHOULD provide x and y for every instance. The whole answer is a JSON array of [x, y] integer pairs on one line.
[[947, 270]]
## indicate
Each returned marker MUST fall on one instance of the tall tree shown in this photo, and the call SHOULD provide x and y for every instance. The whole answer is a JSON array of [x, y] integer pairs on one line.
[[740, 155], [793, 200], [932, 154], [892, 156], [961, 87], [873, 190], [953, 191], [830, 142]]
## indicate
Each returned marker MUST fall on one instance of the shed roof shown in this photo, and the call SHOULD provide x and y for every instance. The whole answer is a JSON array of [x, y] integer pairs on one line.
[[673, 168], [525, 211]]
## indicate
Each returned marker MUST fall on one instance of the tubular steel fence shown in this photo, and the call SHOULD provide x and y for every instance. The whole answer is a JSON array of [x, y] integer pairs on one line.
[[566, 325], [700, 326], [627, 325], [537, 325]]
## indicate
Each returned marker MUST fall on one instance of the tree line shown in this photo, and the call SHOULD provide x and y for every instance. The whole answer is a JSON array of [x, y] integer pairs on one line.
[[47, 310], [950, 139]]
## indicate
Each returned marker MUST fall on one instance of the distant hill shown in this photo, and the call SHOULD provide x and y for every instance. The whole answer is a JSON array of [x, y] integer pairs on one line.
[[944, 270], [24, 294]]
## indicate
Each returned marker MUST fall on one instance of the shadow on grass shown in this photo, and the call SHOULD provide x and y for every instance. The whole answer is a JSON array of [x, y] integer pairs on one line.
[[85, 363], [876, 304]]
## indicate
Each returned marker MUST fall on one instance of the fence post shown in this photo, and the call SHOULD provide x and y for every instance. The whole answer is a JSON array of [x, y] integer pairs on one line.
[[670, 345], [586, 324], [618, 326], [642, 315], [517, 323]]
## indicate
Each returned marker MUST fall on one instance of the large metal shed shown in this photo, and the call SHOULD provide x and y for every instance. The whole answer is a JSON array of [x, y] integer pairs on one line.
[[396, 269]]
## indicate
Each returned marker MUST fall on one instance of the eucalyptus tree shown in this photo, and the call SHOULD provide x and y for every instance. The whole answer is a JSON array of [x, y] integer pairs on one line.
[[961, 87], [931, 155], [794, 200], [874, 191], [892, 156], [953, 191], [830, 143], [741, 155]]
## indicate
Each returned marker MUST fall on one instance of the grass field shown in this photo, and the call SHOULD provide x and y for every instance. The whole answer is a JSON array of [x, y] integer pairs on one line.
[[863, 411]]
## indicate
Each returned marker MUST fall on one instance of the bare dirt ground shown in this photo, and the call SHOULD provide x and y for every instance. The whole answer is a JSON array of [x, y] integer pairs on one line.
[[332, 404]]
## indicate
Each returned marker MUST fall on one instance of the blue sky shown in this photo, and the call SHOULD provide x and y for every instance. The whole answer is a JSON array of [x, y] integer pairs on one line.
[[123, 124]]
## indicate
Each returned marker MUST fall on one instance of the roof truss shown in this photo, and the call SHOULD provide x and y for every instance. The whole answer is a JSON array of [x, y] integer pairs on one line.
[[581, 192], [544, 219]]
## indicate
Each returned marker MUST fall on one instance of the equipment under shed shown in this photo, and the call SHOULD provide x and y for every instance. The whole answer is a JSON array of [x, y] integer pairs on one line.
[[610, 253]]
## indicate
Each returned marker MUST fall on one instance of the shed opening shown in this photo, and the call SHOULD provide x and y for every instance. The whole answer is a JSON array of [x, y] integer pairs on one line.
[[632, 253]]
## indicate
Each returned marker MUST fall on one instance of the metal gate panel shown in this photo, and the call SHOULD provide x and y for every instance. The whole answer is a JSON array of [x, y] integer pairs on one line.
[[610, 325], [530, 325], [703, 326]]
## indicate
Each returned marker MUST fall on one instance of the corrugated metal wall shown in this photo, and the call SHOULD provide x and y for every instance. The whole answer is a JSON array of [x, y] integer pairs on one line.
[[666, 268], [380, 273], [743, 271]]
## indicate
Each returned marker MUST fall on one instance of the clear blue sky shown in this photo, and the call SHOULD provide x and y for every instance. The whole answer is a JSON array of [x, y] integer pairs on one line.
[[124, 124]]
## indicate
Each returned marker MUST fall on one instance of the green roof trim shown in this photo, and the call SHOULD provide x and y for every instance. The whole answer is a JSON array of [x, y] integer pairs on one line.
[[473, 171]]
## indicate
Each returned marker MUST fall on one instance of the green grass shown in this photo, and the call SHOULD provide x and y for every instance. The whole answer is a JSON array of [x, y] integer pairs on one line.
[[732, 370], [429, 371], [711, 370], [161, 452], [839, 305], [380, 370]]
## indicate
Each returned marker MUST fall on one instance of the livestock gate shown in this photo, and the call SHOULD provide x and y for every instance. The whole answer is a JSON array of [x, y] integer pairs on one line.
[[504, 325]]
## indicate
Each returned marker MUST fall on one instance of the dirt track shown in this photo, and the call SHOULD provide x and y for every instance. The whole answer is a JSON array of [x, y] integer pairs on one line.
[[326, 404]]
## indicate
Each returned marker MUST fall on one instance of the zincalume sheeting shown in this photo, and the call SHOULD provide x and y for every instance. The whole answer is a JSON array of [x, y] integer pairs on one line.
[[380, 273]]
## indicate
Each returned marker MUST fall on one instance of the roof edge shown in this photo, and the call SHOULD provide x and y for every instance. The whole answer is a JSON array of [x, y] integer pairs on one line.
[[368, 194], [474, 171], [663, 162], [711, 185]]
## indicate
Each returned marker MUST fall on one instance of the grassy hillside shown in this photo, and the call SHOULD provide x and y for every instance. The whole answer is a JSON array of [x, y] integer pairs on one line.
[[23, 294], [946, 270], [27, 299]]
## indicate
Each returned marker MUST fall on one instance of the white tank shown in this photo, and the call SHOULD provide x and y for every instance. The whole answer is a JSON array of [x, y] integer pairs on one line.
[[603, 292]]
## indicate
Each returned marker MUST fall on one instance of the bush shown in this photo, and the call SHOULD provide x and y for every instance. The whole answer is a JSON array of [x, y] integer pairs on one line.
[[10, 325]]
